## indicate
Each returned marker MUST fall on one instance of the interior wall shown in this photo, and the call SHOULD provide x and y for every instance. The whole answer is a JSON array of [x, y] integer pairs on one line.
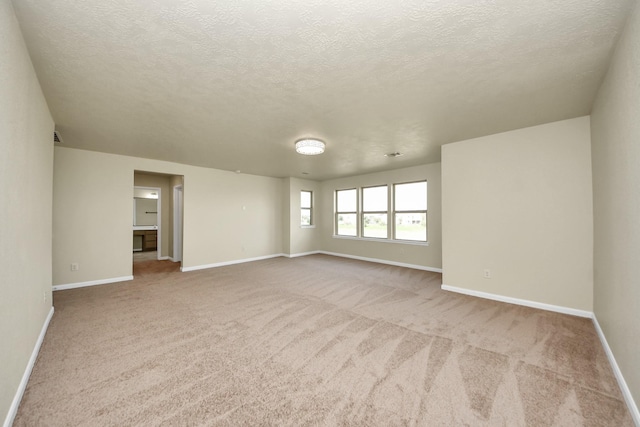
[[425, 256], [286, 215], [227, 216], [615, 130], [25, 207], [141, 179], [519, 203], [230, 216]]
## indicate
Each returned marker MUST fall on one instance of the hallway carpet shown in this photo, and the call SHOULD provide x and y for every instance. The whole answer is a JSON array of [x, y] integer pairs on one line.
[[316, 340]]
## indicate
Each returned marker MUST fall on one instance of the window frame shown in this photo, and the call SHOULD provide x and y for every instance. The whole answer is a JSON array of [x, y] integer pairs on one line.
[[391, 214], [425, 212], [362, 212], [337, 213], [310, 209]]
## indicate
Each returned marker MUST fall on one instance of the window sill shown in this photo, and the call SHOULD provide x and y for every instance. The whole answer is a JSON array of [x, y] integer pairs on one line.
[[373, 239], [307, 226]]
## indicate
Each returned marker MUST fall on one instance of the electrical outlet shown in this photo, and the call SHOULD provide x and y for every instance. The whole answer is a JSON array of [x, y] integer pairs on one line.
[[44, 294], [487, 273], [75, 266]]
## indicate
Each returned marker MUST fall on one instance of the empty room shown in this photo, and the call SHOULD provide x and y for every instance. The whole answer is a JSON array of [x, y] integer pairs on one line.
[[320, 213]]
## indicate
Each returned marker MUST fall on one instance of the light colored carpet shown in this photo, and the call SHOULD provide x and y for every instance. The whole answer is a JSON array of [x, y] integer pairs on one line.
[[145, 256], [316, 340]]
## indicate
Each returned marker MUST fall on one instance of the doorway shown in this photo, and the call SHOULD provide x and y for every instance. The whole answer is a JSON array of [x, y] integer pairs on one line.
[[147, 219], [177, 223], [163, 222]]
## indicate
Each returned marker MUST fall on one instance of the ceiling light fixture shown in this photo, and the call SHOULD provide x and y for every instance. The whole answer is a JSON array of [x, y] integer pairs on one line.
[[310, 146]]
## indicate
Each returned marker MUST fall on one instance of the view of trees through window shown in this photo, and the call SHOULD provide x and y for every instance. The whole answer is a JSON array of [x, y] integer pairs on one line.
[[375, 212], [370, 217], [410, 211], [305, 208], [347, 212]]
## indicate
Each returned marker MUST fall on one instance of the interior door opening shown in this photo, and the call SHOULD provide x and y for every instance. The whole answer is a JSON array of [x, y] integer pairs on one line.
[[177, 223], [147, 220], [157, 219]]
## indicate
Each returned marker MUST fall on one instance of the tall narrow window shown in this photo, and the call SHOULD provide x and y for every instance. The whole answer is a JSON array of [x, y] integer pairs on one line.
[[375, 212], [347, 212], [410, 211], [306, 207]]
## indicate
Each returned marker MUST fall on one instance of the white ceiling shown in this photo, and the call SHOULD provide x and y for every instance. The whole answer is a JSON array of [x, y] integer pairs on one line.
[[232, 84]]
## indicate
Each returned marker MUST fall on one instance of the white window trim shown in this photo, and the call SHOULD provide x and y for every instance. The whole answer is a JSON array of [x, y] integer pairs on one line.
[[336, 212], [381, 240], [394, 212], [391, 216], [362, 213], [311, 209]]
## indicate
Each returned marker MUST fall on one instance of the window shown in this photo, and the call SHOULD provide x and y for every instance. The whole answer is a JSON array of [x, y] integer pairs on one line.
[[388, 212], [374, 212], [410, 211], [306, 207], [347, 212]]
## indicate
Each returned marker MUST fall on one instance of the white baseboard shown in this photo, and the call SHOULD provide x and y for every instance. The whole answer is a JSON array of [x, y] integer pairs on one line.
[[13, 409], [162, 258], [633, 408], [518, 301], [91, 283], [376, 260], [383, 261], [631, 404], [222, 264], [301, 254]]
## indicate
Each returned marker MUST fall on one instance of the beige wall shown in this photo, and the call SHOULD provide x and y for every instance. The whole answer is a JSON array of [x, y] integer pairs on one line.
[[300, 239], [615, 130], [143, 208], [426, 256], [286, 216], [163, 182], [227, 216], [520, 204], [25, 207]]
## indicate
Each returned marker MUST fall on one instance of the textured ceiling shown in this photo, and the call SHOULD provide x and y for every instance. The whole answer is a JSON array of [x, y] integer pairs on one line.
[[232, 84]]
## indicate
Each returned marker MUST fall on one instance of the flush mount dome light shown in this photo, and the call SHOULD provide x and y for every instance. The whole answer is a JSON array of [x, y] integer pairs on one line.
[[310, 146]]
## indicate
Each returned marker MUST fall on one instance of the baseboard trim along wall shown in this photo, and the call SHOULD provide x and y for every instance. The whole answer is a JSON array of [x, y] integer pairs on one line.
[[518, 301], [301, 254], [633, 408], [376, 260], [383, 261], [13, 409], [91, 283], [222, 264], [631, 404]]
